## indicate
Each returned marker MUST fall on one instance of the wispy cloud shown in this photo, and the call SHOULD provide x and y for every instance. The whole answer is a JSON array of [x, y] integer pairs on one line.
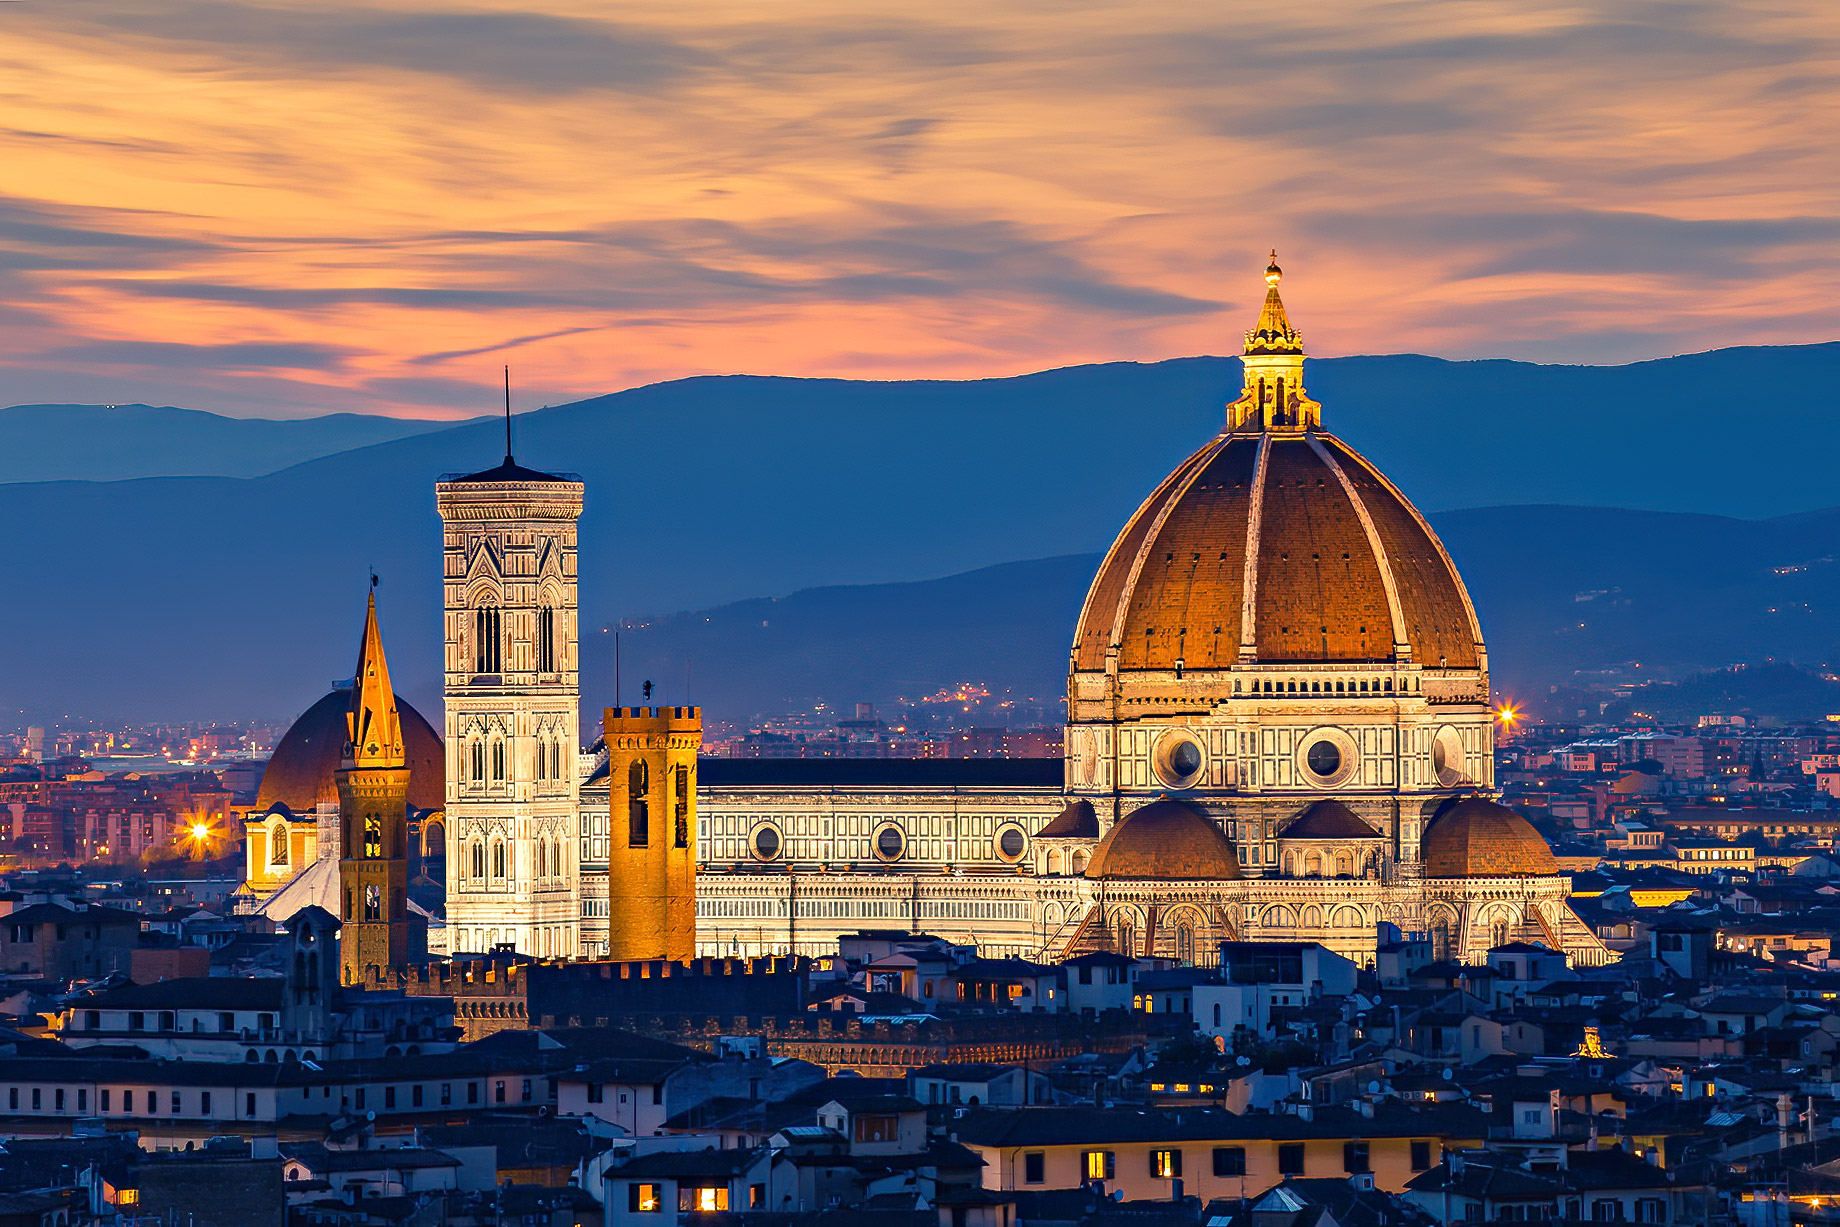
[[251, 204]]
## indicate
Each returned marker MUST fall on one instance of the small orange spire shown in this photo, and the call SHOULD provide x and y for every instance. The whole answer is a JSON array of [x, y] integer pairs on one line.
[[373, 730]]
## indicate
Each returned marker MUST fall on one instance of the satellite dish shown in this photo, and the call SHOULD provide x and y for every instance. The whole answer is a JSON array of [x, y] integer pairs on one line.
[[1243, 1061], [1373, 1088], [1449, 1073]]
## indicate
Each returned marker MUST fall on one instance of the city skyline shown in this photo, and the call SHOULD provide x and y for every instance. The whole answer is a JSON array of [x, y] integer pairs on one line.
[[277, 210]]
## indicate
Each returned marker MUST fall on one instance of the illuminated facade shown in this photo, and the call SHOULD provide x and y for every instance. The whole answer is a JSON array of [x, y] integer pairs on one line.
[[512, 721]]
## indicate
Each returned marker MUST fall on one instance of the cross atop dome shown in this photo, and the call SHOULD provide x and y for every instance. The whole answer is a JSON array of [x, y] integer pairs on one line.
[[1272, 397]]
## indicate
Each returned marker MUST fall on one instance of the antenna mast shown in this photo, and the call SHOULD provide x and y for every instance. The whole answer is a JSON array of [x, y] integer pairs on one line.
[[507, 414]]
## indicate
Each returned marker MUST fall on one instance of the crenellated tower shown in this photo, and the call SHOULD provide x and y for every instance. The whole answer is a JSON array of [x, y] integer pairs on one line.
[[513, 690], [651, 859], [373, 782]]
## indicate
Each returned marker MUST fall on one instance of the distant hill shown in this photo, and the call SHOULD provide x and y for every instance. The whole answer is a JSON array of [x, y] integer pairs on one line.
[[203, 596], [113, 442], [1562, 591]]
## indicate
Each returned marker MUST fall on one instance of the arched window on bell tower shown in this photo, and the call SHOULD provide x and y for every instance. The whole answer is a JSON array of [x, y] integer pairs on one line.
[[488, 654], [546, 640], [638, 805], [680, 817], [373, 836]]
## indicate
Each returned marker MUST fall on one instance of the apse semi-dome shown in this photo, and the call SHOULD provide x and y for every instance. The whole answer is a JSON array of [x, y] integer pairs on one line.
[[1478, 838], [1328, 820], [1165, 839], [300, 775], [1276, 543]]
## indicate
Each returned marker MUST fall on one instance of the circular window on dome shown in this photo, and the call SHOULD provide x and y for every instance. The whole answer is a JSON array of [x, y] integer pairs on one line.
[[1179, 761], [1447, 758], [890, 843], [1327, 758], [1011, 844], [766, 843]]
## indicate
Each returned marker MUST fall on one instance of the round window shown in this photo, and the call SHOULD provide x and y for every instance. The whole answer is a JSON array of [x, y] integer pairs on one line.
[[1324, 758], [1011, 843], [766, 843], [889, 843], [1179, 761], [1447, 758]]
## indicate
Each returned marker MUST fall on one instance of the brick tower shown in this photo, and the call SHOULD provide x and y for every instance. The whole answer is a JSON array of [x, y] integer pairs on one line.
[[373, 781], [651, 856]]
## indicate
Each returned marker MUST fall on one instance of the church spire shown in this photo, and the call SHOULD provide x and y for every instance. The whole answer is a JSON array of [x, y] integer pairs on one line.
[[1272, 398], [373, 730]]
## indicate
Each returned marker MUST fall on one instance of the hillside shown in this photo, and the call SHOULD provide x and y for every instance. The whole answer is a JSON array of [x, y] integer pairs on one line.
[[216, 596], [116, 442]]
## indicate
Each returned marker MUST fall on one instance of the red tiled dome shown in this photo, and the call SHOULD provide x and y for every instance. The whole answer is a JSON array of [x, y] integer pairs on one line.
[[1334, 540], [300, 775], [1165, 839]]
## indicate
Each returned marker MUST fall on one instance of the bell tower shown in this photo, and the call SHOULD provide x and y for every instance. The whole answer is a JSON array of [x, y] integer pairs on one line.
[[513, 691], [373, 782], [651, 853]]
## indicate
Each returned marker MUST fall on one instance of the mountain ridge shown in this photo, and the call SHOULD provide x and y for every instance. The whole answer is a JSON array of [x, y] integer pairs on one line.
[[208, 596]]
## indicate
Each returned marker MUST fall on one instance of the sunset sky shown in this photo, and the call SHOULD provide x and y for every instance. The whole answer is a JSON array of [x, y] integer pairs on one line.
[[284, 209]]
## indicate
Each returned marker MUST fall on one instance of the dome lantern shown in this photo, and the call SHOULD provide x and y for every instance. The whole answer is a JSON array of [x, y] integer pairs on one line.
[[1272, 397]]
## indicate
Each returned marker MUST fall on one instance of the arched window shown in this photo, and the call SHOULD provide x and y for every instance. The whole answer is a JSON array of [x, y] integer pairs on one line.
[[487, 650], [1127, 941], [498, 761], [278, 844], [478, 755], [498, 858], [680, 811], [542, 858], [638, 805], [1185, 943], [546, 640], [555, 858], [1312, 865], [1344, 864], [373, 902], [479, 859], [373, 836]]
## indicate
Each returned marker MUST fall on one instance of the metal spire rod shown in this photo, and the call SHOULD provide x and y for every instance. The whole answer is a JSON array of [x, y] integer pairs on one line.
[[507, 413]]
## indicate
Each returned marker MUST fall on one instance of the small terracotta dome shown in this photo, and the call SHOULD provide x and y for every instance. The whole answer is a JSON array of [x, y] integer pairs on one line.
[[1328, 820], [1165, 839], [1475, 838], [300, 774], [1077, 821]]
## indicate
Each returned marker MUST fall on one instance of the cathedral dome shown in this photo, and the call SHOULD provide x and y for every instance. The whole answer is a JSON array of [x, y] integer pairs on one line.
[[300, 774], [1275, 543], [1484, 839], [1269, 549], [1165, 839]]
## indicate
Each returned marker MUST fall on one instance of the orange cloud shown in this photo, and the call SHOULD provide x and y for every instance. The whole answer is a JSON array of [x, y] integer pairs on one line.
[[285, 208]]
